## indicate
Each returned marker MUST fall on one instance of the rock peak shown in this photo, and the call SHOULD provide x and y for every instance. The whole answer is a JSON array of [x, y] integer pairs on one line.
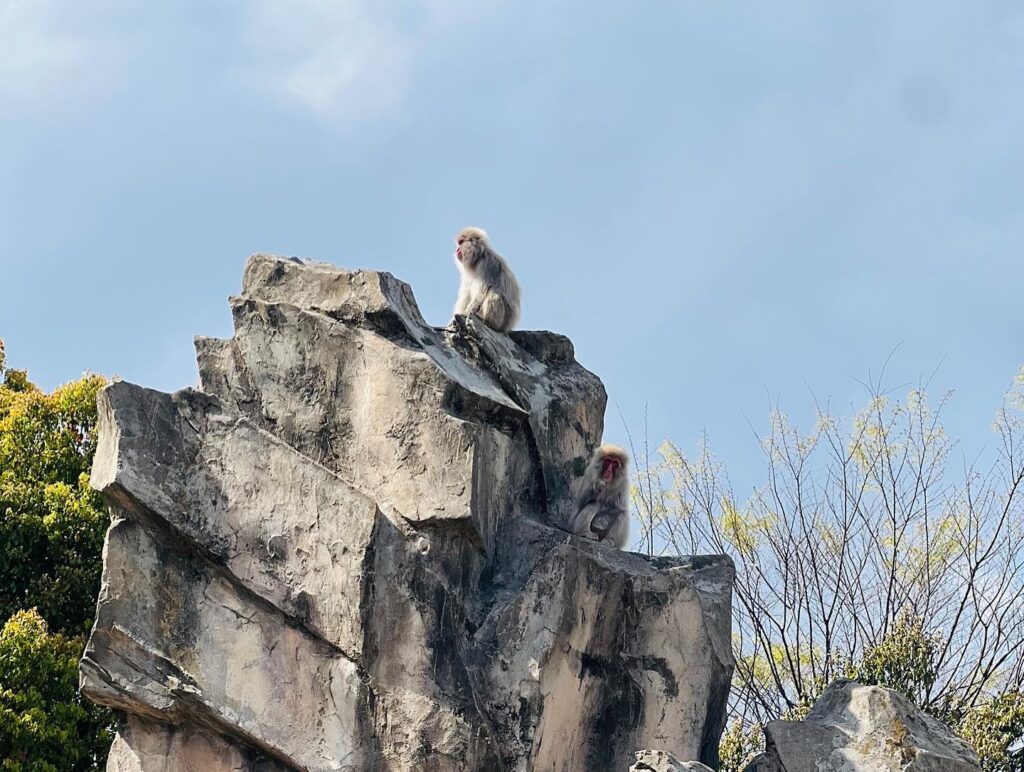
[[343, 550]]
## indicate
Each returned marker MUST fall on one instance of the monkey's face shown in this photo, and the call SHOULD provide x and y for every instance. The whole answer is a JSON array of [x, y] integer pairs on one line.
[[610, 466], [467, 249], [469, 246]]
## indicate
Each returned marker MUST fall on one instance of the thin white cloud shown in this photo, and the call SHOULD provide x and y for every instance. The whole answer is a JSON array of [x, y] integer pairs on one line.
[[337, 59], [348, 61], [367, 77], [39, 57]]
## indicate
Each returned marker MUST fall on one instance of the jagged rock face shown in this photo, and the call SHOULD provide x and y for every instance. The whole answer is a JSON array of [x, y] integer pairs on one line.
[[343, 551], [855, 728]]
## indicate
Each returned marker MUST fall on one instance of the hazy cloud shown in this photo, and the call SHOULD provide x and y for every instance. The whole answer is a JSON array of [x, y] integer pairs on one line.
[[35, 53], [339, 60], [352, 60]]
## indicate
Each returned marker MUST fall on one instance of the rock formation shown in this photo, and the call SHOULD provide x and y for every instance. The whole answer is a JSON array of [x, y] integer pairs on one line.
[[855, 728], [663, 761], [342, 552]]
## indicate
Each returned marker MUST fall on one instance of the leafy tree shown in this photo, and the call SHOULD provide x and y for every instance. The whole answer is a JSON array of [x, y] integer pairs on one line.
[[44, 726], [865, 553], [51, 540], [905, 660], [994, 728], [741, 742]]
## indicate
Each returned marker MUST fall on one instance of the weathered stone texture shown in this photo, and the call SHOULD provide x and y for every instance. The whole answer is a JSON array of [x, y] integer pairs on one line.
[[343, 552], [145, 746], [855, 728], [662, 761]]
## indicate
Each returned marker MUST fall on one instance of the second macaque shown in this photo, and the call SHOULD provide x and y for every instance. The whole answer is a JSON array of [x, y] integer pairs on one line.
[[602, 504]]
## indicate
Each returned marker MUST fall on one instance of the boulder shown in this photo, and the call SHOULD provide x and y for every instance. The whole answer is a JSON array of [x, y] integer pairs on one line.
[[855, 728], [345, 550], [662, 761]]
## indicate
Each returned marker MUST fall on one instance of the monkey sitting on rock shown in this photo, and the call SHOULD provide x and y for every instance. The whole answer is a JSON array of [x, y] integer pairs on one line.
[[488, 289], [602, 504]]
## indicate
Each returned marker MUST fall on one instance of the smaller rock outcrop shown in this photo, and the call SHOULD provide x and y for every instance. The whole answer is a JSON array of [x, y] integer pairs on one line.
[[663, 761], [856, 728]]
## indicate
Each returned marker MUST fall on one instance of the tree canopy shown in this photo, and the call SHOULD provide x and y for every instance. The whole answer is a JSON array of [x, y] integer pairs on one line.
[[51, 540]]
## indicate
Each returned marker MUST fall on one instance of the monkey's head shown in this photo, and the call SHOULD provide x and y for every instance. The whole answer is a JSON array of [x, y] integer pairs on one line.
[[612, 461], [468, 245]]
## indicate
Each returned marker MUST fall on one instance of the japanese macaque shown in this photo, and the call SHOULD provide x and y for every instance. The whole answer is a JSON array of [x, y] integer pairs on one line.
[[602, 504], [488, 288]]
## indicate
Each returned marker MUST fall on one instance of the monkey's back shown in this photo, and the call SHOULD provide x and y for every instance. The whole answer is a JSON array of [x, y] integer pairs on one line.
[[499, 304]]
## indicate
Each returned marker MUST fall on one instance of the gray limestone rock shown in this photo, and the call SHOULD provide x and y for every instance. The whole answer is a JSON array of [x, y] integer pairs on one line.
[[855, 728], [343, 551], [662, 761], [145, 746]]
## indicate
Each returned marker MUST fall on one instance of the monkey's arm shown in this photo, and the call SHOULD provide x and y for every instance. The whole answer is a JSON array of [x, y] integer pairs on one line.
[[588, 495], [580, 522]]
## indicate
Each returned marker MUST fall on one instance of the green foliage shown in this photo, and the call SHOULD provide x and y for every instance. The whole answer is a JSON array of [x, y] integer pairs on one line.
[[740, 744], [993, 728], [13, 380], [44, 725], [904, 660], [51, 540], [51, 522]]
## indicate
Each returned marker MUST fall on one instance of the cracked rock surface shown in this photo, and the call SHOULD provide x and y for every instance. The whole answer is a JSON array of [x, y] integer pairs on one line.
[[856, 728], [662, 761], [343, 551]]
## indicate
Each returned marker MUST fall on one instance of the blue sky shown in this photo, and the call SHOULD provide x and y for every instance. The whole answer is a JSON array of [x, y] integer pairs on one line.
[[724, 204]]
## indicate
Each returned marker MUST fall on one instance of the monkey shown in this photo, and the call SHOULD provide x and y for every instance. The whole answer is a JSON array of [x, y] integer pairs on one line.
[[488, 288], [602, 503]]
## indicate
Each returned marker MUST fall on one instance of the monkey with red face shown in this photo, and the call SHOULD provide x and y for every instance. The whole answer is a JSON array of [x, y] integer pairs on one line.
[[488, 288], [602, 505]]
